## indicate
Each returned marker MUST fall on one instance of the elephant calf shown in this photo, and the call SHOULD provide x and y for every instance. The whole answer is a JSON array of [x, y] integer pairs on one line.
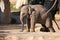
[[35, 14]]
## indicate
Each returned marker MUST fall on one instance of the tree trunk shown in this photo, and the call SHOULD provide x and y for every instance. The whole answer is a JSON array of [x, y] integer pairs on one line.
[[7, 14]]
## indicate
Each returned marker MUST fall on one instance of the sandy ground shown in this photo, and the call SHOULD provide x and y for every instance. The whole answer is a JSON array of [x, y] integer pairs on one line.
[[17, 27]]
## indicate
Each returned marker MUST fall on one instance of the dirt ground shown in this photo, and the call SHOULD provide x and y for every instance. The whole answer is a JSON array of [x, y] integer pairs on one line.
[[17, 27], [13, 33]]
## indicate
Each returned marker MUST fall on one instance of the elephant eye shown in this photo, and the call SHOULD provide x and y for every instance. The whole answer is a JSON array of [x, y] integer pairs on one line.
[[23, 13]]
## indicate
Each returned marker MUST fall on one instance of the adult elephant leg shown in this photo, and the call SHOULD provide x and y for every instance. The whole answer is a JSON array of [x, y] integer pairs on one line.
[[49, 24], [32, 16]]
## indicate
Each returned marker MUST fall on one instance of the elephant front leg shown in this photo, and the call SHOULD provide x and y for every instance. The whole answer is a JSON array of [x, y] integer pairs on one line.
[[32, 16], [28, 24]]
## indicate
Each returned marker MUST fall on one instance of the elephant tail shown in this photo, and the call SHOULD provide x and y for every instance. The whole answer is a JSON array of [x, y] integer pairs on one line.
[[47, 13]]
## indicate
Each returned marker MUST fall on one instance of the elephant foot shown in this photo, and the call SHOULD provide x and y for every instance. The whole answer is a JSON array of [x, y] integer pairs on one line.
[[28, 30], [44, 30], [32, 30]]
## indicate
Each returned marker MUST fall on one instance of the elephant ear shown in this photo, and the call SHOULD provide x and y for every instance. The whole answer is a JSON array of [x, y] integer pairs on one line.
[[31, 10]]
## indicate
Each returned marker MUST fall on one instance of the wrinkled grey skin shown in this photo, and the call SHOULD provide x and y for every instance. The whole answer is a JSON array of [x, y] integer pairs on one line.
[[36, 14]]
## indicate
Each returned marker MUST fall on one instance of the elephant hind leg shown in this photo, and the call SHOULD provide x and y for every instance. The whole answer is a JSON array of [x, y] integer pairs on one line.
[[49, 25], [44, 29]]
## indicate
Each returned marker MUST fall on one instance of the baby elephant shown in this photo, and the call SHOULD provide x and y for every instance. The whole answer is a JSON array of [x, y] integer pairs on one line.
[[35, 14]]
